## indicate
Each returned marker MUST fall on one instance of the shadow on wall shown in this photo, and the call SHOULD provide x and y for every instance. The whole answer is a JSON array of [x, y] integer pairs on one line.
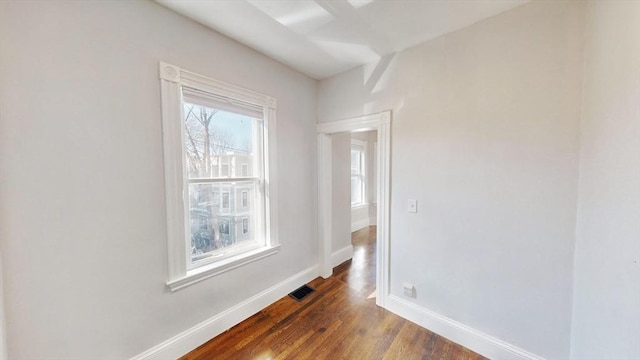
[[371, 80], [376, 96]]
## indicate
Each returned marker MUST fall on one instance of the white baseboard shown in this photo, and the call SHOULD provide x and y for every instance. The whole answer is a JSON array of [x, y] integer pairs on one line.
[[192, 338], [3, 328], [373, 221], [341, 255], [464, 335], [359, 224]]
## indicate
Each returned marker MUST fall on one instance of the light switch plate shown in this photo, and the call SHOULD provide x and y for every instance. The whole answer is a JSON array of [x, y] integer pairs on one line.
[[413, 206]]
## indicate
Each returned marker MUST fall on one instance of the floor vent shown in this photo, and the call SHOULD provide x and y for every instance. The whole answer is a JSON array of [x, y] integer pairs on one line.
[[302, 292]]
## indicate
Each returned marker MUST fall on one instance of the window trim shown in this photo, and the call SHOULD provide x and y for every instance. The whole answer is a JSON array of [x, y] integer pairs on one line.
[[172, 79]]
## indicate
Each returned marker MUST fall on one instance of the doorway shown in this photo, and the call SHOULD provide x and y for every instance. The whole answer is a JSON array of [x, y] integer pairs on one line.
[[381, 122]]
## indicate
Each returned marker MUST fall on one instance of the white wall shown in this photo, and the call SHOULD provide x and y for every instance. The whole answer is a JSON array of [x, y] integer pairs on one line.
[[485, 137], [341, 196], [606, 314], [82, 225]]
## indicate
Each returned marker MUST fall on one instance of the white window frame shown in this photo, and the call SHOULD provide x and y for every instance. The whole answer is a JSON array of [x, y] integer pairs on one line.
[[361, 146], [172, 79]]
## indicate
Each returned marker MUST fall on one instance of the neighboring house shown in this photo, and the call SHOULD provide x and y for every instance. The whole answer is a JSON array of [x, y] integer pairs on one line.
[[222, 215]]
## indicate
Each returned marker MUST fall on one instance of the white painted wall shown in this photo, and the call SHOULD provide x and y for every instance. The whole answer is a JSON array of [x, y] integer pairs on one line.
[[606, 314], [485, 137], [83, 222], [359, 217], [341, 195]]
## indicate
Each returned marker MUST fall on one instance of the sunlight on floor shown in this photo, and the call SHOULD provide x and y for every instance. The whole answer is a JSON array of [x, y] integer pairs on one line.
[[267, 355], [372, 295]]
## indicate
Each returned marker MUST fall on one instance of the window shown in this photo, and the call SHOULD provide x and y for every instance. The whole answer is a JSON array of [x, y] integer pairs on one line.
[[358, 172], [225, 170], [245, 225], [224, 226], [245, 199], [208, 128], [225, 201]]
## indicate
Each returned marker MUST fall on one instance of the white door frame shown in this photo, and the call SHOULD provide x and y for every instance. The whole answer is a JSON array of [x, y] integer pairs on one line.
[[382, 123]]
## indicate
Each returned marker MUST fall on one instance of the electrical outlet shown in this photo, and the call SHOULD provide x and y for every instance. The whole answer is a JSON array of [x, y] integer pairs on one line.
[[409, 290]]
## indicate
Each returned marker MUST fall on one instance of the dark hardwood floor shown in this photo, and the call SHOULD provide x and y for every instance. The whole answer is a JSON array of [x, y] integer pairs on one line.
[[338, 321]]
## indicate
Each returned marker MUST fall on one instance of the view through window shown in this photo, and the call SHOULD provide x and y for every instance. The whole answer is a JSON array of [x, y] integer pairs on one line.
[[225, 178], [357, 175]]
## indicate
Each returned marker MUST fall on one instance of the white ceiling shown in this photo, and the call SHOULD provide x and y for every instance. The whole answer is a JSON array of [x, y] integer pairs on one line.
[[322, 38]]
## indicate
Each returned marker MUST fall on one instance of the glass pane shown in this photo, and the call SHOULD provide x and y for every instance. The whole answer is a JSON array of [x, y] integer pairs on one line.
[[356, 190], [355, 162], [222, 216], [221, 144]]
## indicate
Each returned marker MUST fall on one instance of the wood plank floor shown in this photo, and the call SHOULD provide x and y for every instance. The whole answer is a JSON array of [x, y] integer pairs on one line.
[[338, 321]]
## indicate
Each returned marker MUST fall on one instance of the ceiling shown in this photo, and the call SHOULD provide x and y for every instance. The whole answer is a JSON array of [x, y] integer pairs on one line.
[[322, 38]]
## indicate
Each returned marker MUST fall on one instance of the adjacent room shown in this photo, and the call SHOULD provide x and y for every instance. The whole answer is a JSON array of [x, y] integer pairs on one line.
[[453, 179]]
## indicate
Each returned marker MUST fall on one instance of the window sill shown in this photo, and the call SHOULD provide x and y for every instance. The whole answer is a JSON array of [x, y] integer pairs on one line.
[[359, 206], [210, 270]]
